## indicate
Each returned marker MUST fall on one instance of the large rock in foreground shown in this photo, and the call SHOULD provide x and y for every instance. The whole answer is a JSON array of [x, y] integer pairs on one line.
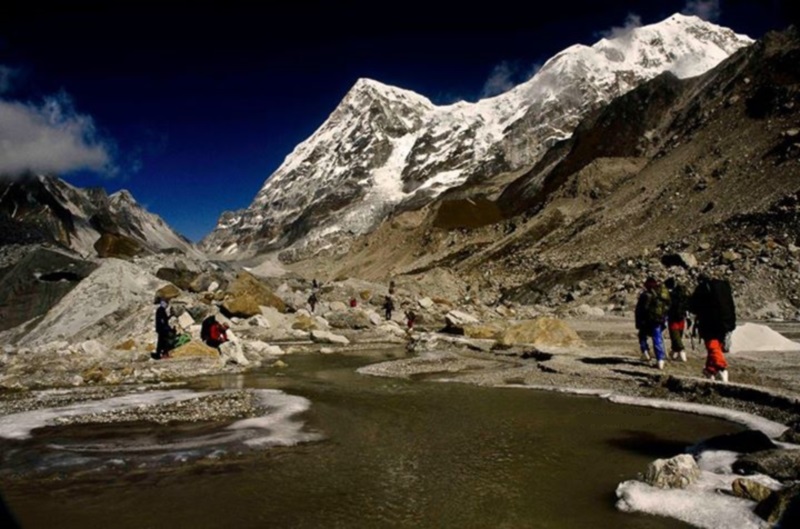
[[675, 473]]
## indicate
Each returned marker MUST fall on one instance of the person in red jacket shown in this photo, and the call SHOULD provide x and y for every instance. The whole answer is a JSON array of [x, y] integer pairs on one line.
[[217, 334]]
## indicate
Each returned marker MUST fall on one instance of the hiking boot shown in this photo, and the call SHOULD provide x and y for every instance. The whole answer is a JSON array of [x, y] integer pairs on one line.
[[682, 356], [645, 357], [722, 376], [708, 374], [661, 364]]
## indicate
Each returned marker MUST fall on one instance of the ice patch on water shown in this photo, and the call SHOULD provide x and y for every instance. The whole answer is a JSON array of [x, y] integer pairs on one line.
[[20, 425], [276, 428], [281, 429], [771, 429], [699, 504]]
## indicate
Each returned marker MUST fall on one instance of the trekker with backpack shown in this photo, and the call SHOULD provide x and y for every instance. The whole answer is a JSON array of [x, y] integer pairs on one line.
[[651, 313], [712, 304], [676, 317]]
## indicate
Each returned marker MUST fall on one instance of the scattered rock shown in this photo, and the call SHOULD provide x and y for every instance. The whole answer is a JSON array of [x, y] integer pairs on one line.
[[780, 464], [745, 442], [319, 336], [781, 505], [674, 473], [750, 490]]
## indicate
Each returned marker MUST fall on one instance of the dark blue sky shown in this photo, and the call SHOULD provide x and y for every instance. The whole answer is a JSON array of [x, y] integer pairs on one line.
[[199, 102]]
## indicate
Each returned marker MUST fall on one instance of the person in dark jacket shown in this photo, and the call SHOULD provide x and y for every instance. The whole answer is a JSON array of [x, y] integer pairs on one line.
[[164, 332], [650, 315], [676, 317], [712, 304], [312, 301], [388, 307]]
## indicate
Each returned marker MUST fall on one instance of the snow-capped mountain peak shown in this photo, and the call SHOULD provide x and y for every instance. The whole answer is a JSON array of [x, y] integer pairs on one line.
[[384, 146]]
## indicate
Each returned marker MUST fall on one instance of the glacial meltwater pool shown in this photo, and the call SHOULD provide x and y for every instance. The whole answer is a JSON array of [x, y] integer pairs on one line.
[[370, 453]]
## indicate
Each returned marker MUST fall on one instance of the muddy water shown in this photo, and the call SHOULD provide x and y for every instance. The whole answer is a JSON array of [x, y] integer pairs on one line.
[[392, 453]]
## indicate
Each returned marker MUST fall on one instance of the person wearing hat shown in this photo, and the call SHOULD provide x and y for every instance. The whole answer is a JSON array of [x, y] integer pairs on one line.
[[650, 315]]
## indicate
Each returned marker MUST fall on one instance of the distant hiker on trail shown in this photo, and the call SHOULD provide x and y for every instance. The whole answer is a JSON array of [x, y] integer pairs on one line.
[[391, 287], [651, 313], [314, 284], [213, 333], [312, 301], [353, 302], [676, 317], [410, 319], [164, 331], [388, 307], [712, 304]]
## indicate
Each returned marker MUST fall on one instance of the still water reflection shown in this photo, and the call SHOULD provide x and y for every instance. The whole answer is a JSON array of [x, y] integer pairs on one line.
[[391, 453]]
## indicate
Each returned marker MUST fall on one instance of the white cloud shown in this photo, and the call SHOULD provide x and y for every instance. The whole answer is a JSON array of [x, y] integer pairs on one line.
[[51, 138], [705, 9], [632, 21], [500, 80]]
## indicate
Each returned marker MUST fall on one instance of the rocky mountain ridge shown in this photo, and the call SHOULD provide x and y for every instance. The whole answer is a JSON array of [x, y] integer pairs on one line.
[[705, 168], [46, 209], [385, 148]]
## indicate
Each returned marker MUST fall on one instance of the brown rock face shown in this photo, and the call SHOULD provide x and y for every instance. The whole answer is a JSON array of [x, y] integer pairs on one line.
[[168, 292], [119, 246], [247, 294]]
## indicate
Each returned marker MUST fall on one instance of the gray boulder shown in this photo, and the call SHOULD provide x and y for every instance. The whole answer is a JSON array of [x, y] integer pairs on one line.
[[675, 473]]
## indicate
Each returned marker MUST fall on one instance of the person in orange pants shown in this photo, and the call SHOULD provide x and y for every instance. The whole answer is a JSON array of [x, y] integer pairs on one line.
[[716, 365], [712, 302]]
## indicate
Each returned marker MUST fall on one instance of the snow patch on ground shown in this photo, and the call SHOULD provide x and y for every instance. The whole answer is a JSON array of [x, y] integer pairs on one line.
[[755, 337]]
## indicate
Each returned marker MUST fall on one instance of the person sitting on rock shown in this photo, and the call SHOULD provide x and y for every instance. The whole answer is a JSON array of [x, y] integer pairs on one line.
[[216, 333]]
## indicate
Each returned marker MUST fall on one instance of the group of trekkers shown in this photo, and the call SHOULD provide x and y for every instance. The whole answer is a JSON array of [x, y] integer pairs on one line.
[[668, 305], [660, 307], [212, 332], [388, 304]]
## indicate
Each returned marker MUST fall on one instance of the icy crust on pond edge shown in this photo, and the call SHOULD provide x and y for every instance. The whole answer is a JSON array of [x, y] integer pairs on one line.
[[700, 504], [276, 427]]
